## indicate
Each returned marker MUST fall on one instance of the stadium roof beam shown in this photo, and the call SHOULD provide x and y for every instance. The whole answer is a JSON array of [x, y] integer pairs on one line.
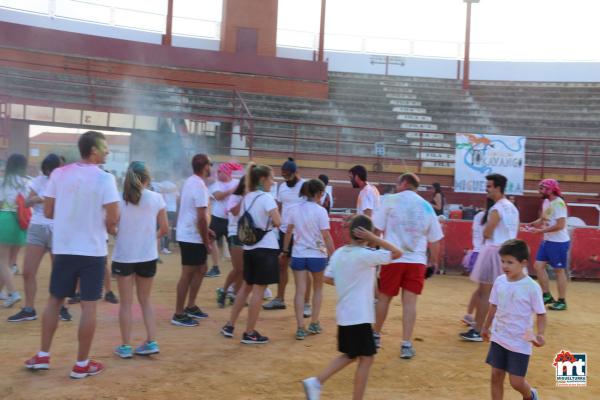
[[466, 65], [322, 30]]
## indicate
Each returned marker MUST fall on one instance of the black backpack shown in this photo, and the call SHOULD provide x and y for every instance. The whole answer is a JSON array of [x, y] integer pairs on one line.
[[247, 231]]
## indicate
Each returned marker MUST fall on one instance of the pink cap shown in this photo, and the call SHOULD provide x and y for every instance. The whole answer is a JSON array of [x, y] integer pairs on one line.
[[552, 185], [228, 168]]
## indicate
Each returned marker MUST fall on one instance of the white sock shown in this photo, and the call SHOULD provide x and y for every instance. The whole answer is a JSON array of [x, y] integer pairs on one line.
[[82, 363], [43, 354], [406, 343]]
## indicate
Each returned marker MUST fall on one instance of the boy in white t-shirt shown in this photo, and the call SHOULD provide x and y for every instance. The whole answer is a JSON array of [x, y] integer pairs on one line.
[[352, 270], [515, 297]]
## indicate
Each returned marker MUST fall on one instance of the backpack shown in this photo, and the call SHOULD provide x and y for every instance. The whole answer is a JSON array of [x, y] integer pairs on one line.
[[247, 231]]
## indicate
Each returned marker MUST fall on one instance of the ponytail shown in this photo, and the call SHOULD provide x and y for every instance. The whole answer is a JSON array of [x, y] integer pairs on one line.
[[137, 175], [254, 173]]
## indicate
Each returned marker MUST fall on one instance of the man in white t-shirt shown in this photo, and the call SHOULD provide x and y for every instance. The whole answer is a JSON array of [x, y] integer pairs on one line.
[[220, 191], [368, 198], [83, 201], [288, 197], [327, 198], [194, 241], [502, 225], [408, 221], [554, 249]]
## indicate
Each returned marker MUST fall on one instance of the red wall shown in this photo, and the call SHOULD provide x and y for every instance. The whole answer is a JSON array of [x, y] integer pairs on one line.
[[584, 257]]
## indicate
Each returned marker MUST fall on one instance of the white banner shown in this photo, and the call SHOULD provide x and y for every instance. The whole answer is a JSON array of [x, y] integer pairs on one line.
[[478, 155]]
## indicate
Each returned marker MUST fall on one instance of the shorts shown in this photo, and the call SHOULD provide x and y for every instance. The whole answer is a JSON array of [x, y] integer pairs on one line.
[[261, 266], [509, 361], [145, 269], [356, 340], [234, 241], [310, 264], [281, 237], [193, 254], [219, 227], [40, 235], [11, 233], [68, 269], [409, 276], [554, 253]]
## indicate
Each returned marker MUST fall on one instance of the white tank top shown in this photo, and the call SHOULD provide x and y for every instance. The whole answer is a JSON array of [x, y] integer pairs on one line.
[[508, 227]]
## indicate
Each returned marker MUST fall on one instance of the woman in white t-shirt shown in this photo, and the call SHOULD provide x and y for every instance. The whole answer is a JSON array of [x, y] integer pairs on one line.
[[261, 263], [309, 225], [135, 254], [13, 185], [39, 240], [235, 277]]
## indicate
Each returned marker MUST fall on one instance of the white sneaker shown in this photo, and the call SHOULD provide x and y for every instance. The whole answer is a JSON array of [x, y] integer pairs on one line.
[[307, 311], [3, 296], [312, 388], [12, 299], [14, 269], [267, 294], [166, 251]]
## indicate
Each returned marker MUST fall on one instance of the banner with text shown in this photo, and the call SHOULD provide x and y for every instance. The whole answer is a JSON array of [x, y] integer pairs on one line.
[[478, 155]]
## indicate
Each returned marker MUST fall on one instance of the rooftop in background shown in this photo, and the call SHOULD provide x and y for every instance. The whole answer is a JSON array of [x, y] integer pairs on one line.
[[513, 30]]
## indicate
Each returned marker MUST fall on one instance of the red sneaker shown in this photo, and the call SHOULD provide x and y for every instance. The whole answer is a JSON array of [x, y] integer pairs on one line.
[[38, 363], [93, 368]]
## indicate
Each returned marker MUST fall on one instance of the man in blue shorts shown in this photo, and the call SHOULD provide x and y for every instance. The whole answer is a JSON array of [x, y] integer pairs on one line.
[[555, 247]]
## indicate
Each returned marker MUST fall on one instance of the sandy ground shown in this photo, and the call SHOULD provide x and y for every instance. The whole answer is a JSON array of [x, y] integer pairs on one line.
[[198, 363]]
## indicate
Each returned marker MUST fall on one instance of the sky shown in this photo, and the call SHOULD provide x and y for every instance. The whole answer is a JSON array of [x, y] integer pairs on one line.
[[502, 29]]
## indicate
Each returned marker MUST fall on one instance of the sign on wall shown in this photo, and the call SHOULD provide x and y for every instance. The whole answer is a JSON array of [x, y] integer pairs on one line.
[[478, 155]]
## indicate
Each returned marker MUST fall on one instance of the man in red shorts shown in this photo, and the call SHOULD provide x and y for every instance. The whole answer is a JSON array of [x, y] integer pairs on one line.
[[409, 222]]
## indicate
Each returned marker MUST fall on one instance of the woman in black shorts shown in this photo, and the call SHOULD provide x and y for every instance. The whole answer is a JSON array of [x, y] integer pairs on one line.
[[135, 254], [261, 264]]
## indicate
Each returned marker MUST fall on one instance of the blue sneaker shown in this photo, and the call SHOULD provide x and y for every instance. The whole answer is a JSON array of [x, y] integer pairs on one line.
[[147, 349], [124, 351], [195, 312]]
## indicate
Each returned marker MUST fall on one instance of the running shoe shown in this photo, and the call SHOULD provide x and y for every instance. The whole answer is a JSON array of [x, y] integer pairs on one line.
[[558, 305], [275, 304], [26, 314], [254, 338], [227, 331], [93, 368], [301, 333], [195, 312], [377, 339], [221, 297], [124, 351], [548, 299], [407, 352], [471, 336], [312, 388], [12, 299], [147, 349], [166, 251], [315, 328], [15, 269], [183, 320], [64, 314], [307, 311], [111, 297], [36, 363], [75, 299], [214, 272], [534, 394]]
